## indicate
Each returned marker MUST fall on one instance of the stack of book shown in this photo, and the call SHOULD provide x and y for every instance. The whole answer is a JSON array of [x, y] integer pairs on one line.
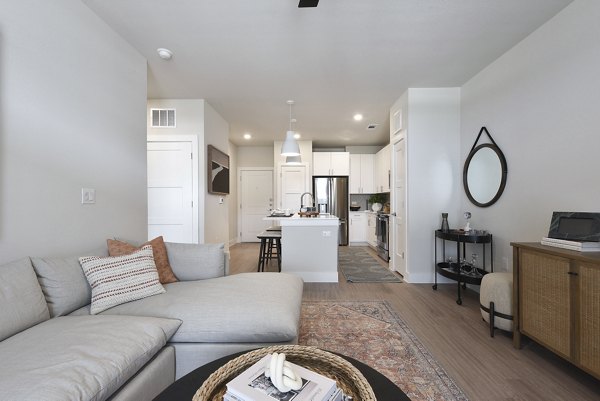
[[253, 385], [573, 245]]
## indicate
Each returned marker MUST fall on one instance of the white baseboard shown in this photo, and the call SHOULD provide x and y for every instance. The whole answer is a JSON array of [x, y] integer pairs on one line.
[[358, 244]]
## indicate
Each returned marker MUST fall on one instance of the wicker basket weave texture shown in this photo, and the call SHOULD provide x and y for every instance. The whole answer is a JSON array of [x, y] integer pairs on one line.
[[348, 378], [590, 316], [544, 290]]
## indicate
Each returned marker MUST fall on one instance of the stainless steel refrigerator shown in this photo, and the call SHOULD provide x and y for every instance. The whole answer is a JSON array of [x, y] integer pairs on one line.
[[331, 196]]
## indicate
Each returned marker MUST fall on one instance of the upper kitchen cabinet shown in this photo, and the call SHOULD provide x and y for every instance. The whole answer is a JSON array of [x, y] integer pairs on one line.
[[331, 163], [382, 174], [361, 173]]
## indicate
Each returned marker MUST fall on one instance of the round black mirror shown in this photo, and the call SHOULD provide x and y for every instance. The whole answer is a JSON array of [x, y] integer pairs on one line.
[[484, 175]]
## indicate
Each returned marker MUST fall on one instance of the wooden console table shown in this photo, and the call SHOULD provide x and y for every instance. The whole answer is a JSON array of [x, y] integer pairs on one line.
[[556, 302]]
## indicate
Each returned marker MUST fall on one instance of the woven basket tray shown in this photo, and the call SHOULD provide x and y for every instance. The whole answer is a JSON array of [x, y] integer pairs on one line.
[[348, 378]]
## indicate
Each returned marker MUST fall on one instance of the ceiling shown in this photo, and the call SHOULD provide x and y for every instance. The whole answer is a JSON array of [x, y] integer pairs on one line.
[[247, 58]]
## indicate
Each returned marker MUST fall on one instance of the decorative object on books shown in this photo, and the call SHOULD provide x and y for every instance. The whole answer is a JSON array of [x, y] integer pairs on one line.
[[484, 173], [575, 226], [253, 384], [347, 377], [281, 374], [577, 231], [374, 334], [358, 266]]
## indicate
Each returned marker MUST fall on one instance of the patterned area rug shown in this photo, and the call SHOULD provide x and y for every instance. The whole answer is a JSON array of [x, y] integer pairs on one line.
[[358, 266], [372, 333]]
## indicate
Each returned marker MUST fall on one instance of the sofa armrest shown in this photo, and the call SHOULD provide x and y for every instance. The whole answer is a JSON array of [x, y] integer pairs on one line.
[[226, 257], [197, 261]]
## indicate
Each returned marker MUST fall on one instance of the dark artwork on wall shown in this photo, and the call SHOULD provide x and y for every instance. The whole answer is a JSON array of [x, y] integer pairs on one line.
[[218, 171]]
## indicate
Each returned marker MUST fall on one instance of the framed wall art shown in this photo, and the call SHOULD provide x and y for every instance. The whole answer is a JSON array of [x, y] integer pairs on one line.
[[218, 171]]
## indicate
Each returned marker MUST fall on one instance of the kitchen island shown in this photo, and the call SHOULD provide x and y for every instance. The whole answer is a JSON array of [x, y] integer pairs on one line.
[[309, 247]]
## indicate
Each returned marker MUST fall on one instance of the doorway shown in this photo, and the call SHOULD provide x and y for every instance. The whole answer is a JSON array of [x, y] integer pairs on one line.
[[398, 218], [256, 200], [172, 168], [292, 184]]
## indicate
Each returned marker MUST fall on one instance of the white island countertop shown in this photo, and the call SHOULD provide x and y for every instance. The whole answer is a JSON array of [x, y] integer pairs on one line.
[[309, 246], [295, 220]]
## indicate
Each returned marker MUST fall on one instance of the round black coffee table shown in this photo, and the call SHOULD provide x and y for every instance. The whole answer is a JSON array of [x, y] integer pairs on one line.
[[185, 388]]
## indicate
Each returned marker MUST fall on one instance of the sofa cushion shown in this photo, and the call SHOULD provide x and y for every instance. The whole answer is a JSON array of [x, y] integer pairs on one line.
[[194, 262], [22, 302], [79, 358], [161, 260], [63, 282], [248, 308], [118, 279]]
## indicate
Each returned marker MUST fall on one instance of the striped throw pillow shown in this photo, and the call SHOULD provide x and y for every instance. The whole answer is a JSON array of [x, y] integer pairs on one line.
[[119, 279]]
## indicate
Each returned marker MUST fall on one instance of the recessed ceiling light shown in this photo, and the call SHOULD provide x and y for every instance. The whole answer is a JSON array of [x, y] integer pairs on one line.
[[247, 136], [165, 54], [296, 136], [358, 117]]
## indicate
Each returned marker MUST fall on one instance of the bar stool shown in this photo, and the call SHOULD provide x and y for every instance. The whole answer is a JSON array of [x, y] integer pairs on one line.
[[274, 228], [270, 248]]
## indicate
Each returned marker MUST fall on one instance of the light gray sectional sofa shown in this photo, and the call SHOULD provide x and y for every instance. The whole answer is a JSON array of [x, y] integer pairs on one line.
[[51, 348]]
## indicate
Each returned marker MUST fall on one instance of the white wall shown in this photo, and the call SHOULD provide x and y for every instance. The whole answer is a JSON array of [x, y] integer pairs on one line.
[[233, 194], [255, 156], [216, 215], [72, 112], [540, 103], [189, 115], [432, 121], [363, 149]]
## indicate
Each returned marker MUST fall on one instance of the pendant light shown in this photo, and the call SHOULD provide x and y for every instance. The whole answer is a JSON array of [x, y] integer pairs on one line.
[[290, 146]]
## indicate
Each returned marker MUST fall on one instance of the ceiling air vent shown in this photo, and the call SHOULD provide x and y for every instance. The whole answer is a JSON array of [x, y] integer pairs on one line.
[[163, 118], [371, 127]]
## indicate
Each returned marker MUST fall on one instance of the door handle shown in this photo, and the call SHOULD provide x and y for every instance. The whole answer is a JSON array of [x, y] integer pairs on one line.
[[393, 214]]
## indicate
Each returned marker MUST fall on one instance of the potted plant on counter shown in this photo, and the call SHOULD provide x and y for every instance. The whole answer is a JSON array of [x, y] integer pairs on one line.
[[376, 201]]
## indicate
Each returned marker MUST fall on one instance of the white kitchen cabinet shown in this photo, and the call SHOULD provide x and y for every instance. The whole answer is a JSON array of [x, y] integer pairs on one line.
[[358, 227], [361, 173], [383, 160], [331, 163], [370, 229]]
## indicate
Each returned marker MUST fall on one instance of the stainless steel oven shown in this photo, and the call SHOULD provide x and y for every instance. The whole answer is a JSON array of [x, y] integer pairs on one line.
[[382, 231]]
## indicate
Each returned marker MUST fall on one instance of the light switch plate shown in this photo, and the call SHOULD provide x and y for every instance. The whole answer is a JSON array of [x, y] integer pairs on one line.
[[88, 196]]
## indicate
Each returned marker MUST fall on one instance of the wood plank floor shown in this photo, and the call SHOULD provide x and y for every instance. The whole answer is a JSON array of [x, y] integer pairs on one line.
[[486, 368]]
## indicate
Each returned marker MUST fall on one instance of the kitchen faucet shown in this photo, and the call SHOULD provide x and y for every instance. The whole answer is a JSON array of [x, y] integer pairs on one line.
[[302, 197]]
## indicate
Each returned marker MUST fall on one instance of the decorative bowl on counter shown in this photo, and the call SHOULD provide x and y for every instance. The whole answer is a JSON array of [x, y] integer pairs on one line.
[[355, 208]]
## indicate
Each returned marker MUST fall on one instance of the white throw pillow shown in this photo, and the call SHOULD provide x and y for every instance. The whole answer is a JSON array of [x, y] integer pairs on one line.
[[119, 279]]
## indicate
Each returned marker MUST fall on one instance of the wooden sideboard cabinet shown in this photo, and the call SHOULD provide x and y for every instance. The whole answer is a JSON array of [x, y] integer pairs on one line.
[[556, 302]]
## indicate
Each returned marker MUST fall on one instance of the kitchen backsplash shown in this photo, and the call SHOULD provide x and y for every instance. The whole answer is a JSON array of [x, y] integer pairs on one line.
[[362, 200]]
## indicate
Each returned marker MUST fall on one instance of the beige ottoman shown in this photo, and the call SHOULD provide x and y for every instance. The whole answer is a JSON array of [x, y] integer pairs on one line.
[[495, 301]]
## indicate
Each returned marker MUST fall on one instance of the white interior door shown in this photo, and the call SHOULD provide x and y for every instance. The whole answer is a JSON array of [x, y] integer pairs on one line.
[[170, 191], [399, 208], [294, 182], [256, 199]]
